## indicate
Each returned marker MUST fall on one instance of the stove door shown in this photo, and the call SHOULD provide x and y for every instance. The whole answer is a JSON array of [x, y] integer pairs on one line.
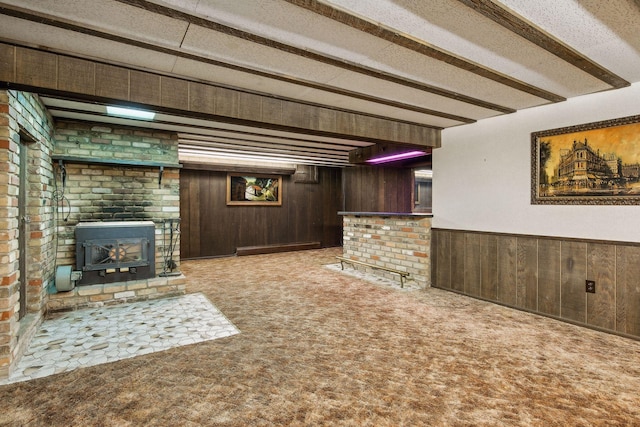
[[105, 254]]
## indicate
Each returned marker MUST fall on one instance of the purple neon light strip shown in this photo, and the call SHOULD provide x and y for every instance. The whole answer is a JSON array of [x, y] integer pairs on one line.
[[400, 156]]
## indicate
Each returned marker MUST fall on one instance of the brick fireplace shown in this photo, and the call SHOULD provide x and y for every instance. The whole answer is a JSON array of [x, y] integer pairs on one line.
[[107, 178]]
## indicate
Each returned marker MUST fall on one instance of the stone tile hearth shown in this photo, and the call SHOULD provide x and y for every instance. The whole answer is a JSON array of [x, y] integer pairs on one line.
[[93, 336]]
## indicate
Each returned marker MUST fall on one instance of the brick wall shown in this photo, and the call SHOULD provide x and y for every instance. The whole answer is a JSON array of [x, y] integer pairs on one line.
[[99, 141], [401, 242], [98, 191], [24, 125]]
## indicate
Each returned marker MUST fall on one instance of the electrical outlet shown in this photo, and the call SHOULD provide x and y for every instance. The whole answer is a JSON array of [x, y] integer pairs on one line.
[[591, 286]]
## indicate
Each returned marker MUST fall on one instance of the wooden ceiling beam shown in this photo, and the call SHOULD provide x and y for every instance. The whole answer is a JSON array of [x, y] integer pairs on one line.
[[50, 73], [408, 42], [519, 26]]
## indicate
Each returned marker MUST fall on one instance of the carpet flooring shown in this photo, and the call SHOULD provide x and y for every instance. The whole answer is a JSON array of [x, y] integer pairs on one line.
[[320, 348]]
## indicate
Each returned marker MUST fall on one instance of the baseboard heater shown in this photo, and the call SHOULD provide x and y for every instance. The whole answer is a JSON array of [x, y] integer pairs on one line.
[[270, 249]]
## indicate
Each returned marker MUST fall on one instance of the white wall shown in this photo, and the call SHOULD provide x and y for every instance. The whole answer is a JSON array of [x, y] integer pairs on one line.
[[482, 174]]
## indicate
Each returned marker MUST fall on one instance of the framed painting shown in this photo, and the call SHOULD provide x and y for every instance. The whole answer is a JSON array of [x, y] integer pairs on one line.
[[590, 164], [260, 190]]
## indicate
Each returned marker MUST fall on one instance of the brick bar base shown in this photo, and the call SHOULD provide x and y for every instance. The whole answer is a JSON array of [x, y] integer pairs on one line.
[[391, 240]]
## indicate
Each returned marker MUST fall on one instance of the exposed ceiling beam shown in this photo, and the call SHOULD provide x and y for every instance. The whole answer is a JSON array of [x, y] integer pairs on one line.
[[308, 54], [69, 26], [59, 75], [518, 25], [393, 36]]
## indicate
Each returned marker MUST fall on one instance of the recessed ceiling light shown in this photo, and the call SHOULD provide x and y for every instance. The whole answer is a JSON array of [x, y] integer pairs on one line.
[[130, 113]]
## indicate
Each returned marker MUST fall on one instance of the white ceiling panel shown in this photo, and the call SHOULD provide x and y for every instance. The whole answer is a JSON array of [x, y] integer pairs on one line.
[[244, 52], [112, 16], [455, 28], [412, 96], [405, 63], [33, 34], [286, 23], [607, 31]]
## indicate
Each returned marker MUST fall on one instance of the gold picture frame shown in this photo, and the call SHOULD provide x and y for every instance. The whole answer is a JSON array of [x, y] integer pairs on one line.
[[591, 164], [254, 190]]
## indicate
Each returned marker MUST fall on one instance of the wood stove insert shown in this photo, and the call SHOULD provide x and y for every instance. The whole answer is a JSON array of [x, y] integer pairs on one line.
[[116, 251]]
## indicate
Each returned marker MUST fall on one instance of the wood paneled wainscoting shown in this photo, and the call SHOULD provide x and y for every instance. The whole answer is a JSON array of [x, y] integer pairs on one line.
[[544, 275]]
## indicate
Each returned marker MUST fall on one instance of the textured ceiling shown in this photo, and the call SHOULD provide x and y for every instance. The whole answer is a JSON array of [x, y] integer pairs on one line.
[[436, 63]]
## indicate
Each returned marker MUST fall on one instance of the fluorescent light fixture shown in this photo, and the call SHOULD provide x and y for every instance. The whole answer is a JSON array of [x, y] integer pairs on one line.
[[398, 156], [423, 173], [130, 113], [257, 159]]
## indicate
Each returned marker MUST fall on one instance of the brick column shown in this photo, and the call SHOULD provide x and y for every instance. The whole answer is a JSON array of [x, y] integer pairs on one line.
[[24, 122]]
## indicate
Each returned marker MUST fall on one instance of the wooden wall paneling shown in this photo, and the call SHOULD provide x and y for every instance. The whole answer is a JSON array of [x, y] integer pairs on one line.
[[527, 273], [627, 289], [298, 199], [193, 215], [544, 275], [489, 267], [326, 180], [573, 276], [442, 276], [377, 189], [208, 213], [381, 185], [366, 196], [389, 179], [472, 263], [406, 183], [549, 276], [457, 261], [601, 267], [190, 212], [361, 180], [331, 185], [185, 225], [507, 269], [348, 180], [435, 260], [212, 228], [225, 220]]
